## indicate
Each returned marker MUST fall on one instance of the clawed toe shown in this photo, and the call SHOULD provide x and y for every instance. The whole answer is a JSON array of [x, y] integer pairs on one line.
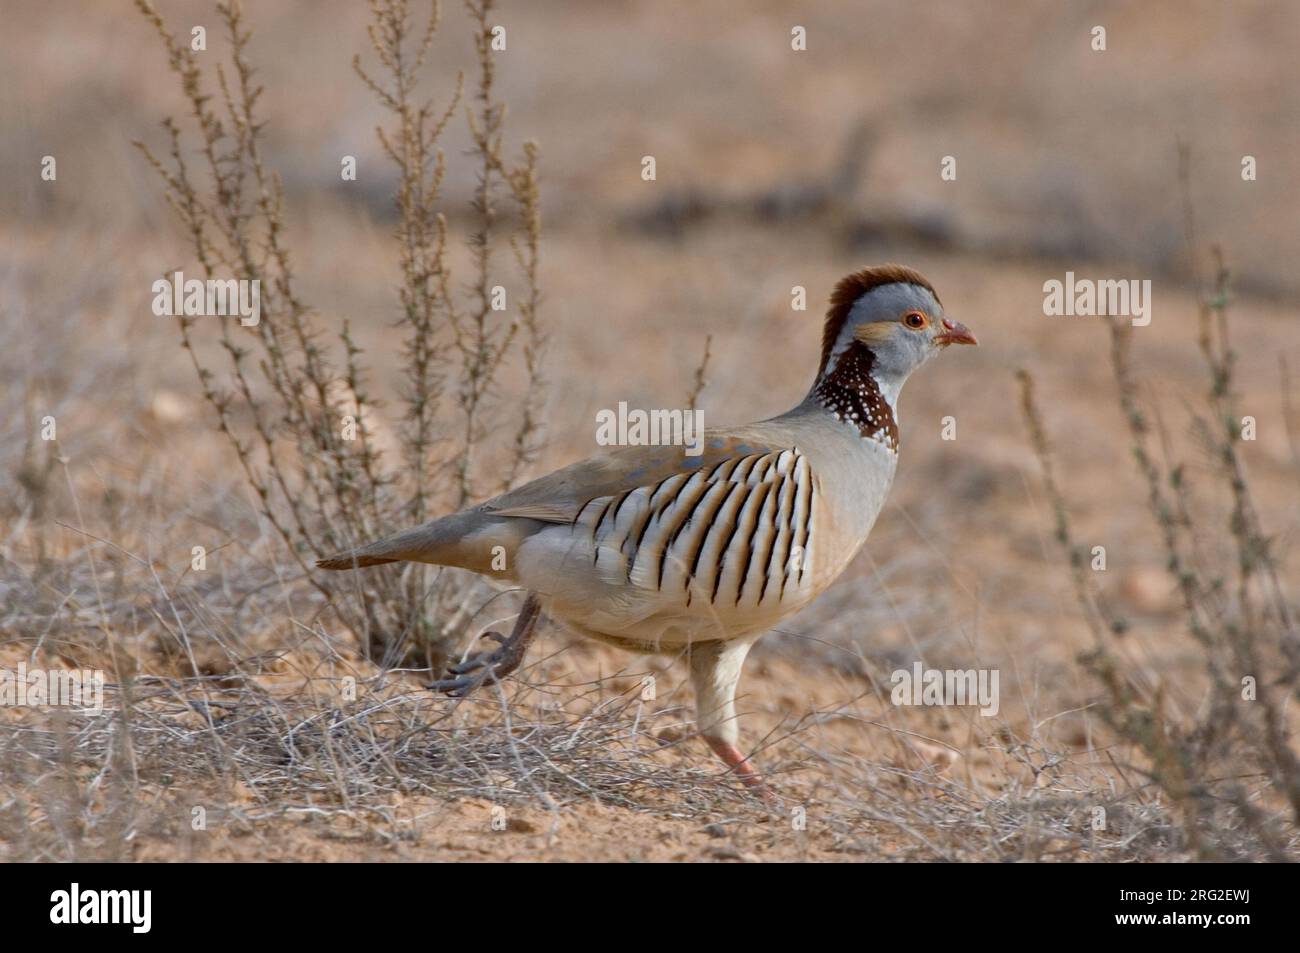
[[467, 675], [457, 687], [473, 672], [475, 662], [470, 673]]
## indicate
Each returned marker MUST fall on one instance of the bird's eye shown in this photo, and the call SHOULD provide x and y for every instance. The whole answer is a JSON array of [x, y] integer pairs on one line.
[[915, 320]]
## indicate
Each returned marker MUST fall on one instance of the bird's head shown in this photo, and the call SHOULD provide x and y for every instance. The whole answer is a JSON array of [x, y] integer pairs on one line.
[[883, 323], [893, 313]]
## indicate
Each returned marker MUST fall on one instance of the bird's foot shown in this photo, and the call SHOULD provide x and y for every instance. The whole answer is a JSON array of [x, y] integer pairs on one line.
[[742, 768], [472, 671]]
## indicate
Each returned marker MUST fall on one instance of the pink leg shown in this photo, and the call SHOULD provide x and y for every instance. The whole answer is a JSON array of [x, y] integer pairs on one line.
[[738, 763]]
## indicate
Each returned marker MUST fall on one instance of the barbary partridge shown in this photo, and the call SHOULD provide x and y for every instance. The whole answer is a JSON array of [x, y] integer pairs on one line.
[[653, 550]]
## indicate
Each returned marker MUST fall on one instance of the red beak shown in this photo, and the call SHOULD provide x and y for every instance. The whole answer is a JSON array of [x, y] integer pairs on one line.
[[954, 333]]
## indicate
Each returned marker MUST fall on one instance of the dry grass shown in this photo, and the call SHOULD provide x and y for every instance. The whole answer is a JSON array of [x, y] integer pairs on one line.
[[86, 788]]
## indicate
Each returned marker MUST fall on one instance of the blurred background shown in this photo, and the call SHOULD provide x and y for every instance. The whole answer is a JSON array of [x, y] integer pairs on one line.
[[775, 168]]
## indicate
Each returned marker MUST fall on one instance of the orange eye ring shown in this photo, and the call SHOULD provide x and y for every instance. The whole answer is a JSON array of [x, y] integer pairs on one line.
[[916, 320]]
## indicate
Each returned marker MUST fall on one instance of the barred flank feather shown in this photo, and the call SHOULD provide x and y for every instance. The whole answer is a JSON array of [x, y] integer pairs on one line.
[[724, 533]]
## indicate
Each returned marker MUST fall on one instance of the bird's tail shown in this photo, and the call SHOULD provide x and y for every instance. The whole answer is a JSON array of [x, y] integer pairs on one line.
[[356, 559], [439, 542]]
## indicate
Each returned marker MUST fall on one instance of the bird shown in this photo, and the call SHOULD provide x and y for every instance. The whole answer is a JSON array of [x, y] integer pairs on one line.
[[653, 550]]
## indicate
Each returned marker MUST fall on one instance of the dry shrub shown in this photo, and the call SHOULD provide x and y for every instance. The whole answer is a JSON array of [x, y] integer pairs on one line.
[[293, 398], [1225, 760]]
